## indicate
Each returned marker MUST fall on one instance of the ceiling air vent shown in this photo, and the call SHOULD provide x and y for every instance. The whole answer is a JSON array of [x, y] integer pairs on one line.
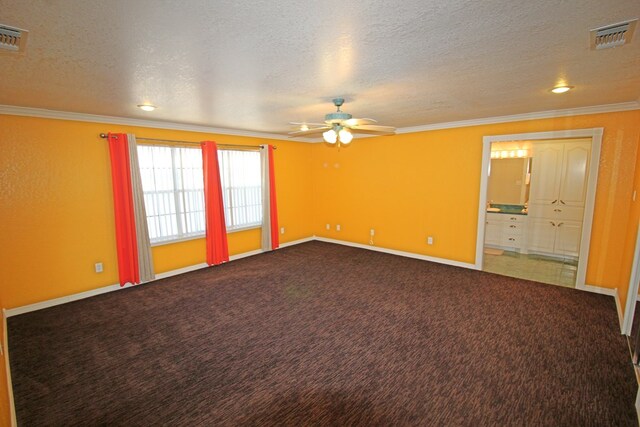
[[612, 35], [12, 40]]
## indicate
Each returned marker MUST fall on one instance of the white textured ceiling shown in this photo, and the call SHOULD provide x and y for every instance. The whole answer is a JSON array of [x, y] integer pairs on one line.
[[257, 65]]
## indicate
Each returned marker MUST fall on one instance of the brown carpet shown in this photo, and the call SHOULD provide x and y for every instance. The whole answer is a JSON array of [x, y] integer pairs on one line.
[[321, 334]]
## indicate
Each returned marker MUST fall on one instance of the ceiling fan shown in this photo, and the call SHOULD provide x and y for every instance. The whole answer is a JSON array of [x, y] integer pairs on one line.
[[339, 127]]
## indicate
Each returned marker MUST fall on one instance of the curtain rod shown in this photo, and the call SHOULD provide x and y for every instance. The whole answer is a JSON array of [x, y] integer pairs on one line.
[[228, 146]]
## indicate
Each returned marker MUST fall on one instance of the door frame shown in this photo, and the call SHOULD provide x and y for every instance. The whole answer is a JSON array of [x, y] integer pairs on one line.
[[632, 293], [594, 162]]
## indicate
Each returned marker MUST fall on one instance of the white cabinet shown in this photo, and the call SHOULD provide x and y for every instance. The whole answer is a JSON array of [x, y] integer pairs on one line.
[[557, 196], [554, 237], [505, 231]]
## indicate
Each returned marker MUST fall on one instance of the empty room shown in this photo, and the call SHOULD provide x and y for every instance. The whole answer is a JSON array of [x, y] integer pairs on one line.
[[307, 213]]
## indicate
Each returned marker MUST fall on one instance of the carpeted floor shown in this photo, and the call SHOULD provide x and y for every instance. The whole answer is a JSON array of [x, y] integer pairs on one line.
[[321, 334]]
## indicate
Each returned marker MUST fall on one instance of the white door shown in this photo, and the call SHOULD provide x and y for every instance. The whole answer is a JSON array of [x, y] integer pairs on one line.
[[545, 173], [568, 238], [573, 181], [493, 233], [542, 235]]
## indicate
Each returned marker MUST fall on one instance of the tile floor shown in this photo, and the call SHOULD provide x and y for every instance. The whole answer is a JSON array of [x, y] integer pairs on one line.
[[533, 267]]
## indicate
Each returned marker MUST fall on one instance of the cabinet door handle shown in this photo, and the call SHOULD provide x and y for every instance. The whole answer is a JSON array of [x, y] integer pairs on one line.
[[512, 239], [552, 223], [513, 218], [513, 226], [562, 202], [554, 202], [560, 223], [557, 210]]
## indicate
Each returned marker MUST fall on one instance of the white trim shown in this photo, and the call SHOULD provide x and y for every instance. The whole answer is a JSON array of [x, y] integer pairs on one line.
[[596, 142], [396, 252], [82, 295], [297, 242], [638, 403], [620, 312], [634, 279], [110, 288], [482, 202], [599, 290], [596, 109], [94, 118], [5, 347], [177, 271], [126, 121], [62, 300]]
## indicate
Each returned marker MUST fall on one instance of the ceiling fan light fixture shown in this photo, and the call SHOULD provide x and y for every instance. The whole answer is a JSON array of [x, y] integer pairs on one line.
[[561, 89], [345, 136], [146, 107], [330, 136]]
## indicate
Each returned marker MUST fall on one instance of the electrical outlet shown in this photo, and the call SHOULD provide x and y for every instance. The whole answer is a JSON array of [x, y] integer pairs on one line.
[[372, 232], [328, 226], [337, 227], [430, 240], [98, 267], [281, 230]]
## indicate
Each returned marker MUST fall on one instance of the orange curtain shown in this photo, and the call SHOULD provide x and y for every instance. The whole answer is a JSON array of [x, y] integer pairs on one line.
[[126, 241], [273, 207], [217, 249]]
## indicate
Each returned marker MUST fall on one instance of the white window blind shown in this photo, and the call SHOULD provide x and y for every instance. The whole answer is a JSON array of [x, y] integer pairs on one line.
[[173, 187], [241, 188], [173, 191]]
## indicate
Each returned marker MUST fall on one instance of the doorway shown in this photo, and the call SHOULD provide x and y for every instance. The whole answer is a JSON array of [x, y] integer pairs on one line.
[[533, 227]]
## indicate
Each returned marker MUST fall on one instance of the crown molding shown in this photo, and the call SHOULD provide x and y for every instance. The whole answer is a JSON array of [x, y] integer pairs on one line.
[[155, 124], [549, 114], [94, 118]]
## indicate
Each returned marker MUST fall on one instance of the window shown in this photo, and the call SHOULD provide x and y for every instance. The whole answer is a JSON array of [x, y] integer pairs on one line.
[[173, 191], [173, 188], [240, 175]]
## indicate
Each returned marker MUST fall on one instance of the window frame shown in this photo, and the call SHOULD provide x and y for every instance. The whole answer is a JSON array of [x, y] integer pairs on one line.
[[184, 237], [178, 199]]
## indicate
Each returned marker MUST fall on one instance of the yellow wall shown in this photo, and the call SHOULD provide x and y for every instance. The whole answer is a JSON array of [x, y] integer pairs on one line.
[[634, 219], [410, 186], [5, 414], [57, 212], [56, 206]]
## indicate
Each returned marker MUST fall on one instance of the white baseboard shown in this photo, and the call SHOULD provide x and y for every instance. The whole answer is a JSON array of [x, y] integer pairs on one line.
[[5, 347], [62, 300], [110, 288], [178, 271], [401, 253], [638, 405], [620, 312], [74, 297], [297, 242]]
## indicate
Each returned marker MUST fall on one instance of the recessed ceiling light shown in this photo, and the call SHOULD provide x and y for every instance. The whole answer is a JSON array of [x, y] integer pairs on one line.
[[561, 89], [147, 107]]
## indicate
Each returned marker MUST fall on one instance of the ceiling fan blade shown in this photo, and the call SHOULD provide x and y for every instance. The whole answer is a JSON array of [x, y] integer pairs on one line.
[[389, 130], [358, 122], [308, 132], [307, 123]]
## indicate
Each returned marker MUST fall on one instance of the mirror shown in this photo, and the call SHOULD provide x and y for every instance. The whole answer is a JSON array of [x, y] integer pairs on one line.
[[509, 181]]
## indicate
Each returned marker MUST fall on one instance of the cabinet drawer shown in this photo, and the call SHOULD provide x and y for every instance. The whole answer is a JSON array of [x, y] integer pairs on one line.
[[513, 228], [514, 218], [569, 213], [512, 240]]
